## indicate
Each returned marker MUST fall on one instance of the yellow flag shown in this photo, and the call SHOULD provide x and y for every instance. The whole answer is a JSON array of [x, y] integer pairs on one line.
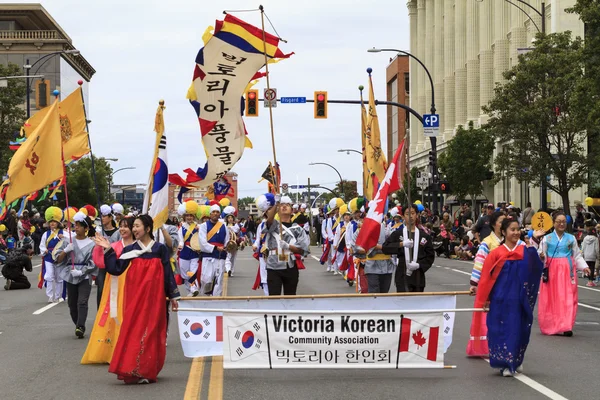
[[367, 181], [38, 161], [375, 157], [72, 126]]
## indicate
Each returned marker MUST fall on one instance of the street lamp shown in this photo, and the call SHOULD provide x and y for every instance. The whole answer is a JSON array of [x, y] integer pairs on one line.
[[338, 172], [432, 139], [28, 67], [110, 180], [349, 150]]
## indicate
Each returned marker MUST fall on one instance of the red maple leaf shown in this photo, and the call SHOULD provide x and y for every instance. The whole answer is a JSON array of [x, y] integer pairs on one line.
[[419, 338]]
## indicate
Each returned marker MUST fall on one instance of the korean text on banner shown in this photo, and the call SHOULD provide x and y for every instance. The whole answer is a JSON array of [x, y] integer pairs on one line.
[[340, 340], [195, 347]]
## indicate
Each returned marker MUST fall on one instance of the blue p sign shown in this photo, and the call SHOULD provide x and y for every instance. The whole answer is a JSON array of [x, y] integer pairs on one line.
[[431, 120]]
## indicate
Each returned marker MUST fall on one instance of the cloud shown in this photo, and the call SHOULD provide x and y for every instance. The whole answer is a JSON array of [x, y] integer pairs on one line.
[[144, 51]]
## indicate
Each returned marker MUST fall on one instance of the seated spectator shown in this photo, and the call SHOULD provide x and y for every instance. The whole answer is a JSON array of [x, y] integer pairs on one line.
[[16, 262], [464, 251]]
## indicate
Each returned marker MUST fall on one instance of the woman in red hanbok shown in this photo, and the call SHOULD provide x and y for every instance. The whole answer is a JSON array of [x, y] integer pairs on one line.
[[141, 347]]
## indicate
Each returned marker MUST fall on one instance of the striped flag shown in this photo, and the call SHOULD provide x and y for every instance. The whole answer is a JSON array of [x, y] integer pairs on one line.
[[156, 200]]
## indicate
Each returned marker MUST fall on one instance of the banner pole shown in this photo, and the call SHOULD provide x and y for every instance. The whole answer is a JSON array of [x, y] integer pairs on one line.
[[329, 312], [262, 19], [91, 152]]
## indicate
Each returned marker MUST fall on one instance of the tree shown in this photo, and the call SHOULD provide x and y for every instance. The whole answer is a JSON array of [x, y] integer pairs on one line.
[[81, 186], [12, 114], [245, 201], [589, 13], [537, 116], [470, 150], [347, 191]]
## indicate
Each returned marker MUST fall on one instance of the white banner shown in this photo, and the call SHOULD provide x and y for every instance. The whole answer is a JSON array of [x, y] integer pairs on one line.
[[341, 340], [196, 311]]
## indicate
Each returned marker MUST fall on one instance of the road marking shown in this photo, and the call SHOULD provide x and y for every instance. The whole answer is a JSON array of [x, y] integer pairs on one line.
[[586, 306], [45, 308], [466, 273], [318, 259], [580, 286], [194, 383], [215, 386], [196, 375], [536, 386], [576, 323], [37, 266]]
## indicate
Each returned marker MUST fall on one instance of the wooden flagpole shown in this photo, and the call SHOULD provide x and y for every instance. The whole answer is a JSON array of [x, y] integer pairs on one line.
[[262, 19]]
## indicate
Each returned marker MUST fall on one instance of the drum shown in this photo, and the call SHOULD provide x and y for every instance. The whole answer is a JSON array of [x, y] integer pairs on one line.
[[195, 242]]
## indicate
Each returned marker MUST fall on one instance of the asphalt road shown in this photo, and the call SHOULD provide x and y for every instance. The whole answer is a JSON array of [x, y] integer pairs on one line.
[[40, 356]]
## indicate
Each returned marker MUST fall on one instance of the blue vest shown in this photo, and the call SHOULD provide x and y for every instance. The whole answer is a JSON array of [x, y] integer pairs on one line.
[[342, 243], [187, 253], [218, 238], [51, 245], [263, 237]]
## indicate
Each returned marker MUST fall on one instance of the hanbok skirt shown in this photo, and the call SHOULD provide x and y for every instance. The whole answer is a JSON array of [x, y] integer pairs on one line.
[[141, 347], [557, 308]]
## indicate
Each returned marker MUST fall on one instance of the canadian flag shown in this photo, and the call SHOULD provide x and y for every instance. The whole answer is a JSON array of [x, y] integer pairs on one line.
[[393, 180], [201, 329], [420, 340]]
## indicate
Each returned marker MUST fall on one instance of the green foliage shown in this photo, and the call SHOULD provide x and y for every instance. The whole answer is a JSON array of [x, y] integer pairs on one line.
[[347, 191], [466, 161], [11, 114], [589, 13], [539, 115], [245, 201], [80, 182]]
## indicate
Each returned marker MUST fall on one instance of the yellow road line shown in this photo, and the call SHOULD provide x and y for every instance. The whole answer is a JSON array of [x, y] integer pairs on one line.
[[215, 386], [194, 383]]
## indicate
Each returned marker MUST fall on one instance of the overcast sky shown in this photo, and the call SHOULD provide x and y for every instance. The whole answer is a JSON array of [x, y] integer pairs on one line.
[[144, 51]]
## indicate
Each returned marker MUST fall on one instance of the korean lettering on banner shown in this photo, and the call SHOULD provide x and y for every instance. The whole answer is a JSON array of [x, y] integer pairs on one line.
[[344, 340], [226, 70]]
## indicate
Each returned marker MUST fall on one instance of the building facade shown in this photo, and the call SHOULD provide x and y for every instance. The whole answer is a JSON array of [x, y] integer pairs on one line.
[[397, 80], [467, 45], [27, 34]]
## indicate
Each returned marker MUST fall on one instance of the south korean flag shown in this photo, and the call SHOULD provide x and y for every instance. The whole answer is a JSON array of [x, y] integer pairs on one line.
[[246, 342]]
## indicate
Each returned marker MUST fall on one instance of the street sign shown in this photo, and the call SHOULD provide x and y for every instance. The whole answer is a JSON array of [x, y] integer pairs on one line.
[[284, 187], [293, 100], [270, 97], [422, 180], [297, 186], [431, 125]]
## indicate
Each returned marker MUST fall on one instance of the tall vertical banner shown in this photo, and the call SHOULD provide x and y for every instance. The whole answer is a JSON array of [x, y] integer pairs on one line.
[[375, 158], [367, 180], [156, 200], [229, 60]]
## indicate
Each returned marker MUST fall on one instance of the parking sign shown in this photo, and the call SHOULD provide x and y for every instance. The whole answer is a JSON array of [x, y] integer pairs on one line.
[[431, 125]]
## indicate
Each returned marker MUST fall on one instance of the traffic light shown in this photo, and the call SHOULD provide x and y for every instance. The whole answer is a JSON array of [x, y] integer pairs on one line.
[[444, 187], [252, 103], [320, 105]]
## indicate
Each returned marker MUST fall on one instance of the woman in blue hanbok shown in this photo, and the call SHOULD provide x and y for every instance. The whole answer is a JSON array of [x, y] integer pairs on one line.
[[509, 286]]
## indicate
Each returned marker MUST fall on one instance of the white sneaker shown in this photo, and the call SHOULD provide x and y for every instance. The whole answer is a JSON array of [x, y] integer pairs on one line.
[[50, 300], [60, 300], [506, 372], [520, 369]]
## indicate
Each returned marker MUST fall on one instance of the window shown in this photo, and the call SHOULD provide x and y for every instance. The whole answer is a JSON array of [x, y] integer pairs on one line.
[[407, 82]]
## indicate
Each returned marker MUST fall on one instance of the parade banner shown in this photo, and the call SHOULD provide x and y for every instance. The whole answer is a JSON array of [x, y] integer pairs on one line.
[[202, 331], [230, 59], [337, 340]]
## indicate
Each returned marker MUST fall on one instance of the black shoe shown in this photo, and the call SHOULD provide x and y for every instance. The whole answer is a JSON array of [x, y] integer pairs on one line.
[[80, 332], [568, 333], [229, 273]]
